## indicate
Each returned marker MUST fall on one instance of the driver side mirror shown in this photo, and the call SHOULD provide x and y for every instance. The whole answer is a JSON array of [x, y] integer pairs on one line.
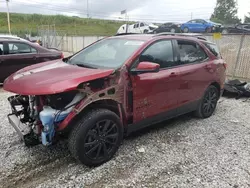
[[145, 67]]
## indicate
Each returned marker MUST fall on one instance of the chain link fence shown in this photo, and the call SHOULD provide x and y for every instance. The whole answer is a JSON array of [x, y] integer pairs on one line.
[[235, 49]]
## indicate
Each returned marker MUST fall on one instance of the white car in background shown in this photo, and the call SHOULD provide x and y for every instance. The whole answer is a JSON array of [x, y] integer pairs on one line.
[[139, 27]]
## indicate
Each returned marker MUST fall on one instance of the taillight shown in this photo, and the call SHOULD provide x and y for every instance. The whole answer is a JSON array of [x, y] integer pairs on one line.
[[62, 56]]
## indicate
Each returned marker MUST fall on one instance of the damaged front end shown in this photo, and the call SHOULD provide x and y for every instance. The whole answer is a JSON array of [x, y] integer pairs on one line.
[[36, 118]]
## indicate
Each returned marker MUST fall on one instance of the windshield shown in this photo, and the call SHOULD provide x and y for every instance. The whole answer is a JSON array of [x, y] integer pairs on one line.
[[107, 53]]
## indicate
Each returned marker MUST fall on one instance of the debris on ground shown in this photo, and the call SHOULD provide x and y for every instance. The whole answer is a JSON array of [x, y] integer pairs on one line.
[[184, 152]]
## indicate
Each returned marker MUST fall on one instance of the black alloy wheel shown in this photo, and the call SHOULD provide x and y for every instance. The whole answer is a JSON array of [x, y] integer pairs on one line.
[[100, 140], [96, 137], [208, 103]]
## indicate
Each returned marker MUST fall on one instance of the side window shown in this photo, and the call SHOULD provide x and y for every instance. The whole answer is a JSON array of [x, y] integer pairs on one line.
[[247, 27], [160, 52], [136, 25], [190, 52], [141, 24], [1, 49], [213, 48], [20, 48]]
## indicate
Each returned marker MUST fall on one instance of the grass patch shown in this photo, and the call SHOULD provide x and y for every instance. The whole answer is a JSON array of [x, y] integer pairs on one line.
[[30, 23]]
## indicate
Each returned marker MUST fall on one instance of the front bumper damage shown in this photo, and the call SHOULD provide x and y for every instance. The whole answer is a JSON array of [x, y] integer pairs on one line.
[[26, 135], [34, 118]]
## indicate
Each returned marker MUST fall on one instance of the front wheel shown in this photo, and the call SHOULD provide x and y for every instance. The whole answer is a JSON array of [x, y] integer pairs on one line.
[[208, 30], [145, 31], [208, 103], [96, 137]]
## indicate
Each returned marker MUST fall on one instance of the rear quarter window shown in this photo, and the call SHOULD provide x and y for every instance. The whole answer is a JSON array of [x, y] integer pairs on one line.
[[214, 49]]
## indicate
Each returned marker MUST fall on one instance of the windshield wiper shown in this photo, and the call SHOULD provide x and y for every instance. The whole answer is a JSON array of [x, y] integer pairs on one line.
[[85, 66]]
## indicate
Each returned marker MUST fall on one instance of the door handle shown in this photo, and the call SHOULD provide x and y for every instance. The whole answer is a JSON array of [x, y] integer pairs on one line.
[[209, 67], [172, 74]]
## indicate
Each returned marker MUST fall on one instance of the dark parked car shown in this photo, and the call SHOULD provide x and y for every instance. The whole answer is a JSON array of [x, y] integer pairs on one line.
[[239, 28], [16, 54], [113, 87], [168, 27]]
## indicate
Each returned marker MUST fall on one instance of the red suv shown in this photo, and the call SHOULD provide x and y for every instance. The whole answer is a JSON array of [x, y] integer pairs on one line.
[[113, 87]]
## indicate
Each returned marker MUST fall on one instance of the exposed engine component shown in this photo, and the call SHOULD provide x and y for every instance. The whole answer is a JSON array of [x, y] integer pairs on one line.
[[51, 117]]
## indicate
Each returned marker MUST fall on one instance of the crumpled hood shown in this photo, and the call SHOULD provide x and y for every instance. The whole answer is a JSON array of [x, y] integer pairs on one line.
[[51, 77]]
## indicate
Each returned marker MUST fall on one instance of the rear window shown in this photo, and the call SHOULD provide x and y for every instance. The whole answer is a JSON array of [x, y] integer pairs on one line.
[[213, 48]]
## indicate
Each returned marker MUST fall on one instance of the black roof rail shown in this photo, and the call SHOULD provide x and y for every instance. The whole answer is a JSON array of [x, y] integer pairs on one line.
[[196, 35], [120, 34]]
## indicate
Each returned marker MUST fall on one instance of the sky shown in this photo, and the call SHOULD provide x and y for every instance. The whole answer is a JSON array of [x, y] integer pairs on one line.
[[137, 10]]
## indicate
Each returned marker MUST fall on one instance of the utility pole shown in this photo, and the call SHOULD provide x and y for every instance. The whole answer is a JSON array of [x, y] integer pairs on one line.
[[8, 15], [87, 8]]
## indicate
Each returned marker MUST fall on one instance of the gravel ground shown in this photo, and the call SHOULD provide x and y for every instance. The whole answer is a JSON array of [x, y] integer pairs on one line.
[[184, 152]]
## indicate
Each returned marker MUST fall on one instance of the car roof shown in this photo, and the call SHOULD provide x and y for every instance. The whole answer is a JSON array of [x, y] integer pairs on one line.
[[149, 37], [13, 39]]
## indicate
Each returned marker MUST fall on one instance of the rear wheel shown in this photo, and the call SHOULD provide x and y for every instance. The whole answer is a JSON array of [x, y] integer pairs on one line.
[[225, 31], [208, 103], [185, 30], [96, 137], [172, 30]]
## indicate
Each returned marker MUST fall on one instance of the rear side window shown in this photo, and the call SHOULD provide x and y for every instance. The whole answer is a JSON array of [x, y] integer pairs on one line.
[[213, 48], [160, 52], [190, 52], [20, 48]]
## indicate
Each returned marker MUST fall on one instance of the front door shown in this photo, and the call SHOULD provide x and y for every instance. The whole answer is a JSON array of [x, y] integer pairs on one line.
[[16, 55], [156, 93]]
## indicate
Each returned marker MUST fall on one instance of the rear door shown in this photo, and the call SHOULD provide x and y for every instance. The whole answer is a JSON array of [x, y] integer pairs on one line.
[[156, 93], [195, 71], [16, 55]]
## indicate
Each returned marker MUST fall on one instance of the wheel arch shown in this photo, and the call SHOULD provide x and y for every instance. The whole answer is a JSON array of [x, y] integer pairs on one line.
[[109, 104], [217, 85]]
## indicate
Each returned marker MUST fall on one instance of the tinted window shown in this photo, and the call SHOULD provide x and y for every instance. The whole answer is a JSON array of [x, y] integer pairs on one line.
[[19, 48], [161, 53], [1, 49], [247, 27], [190, 52], [213, 48], [167, 24], [141, 24], [136, 25]]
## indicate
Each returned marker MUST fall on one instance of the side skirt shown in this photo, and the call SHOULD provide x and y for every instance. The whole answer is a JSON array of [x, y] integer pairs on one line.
[[190, 107]]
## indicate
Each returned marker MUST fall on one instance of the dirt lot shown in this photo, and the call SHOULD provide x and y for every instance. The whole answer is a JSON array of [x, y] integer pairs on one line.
[[184, 152]]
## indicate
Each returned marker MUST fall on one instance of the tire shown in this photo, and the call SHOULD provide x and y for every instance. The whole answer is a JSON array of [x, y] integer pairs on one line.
[[155, 32], [185, 30], [145, 31], [224, 31], [210, 100], [208, 30], [96, 137], [172, 30]]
